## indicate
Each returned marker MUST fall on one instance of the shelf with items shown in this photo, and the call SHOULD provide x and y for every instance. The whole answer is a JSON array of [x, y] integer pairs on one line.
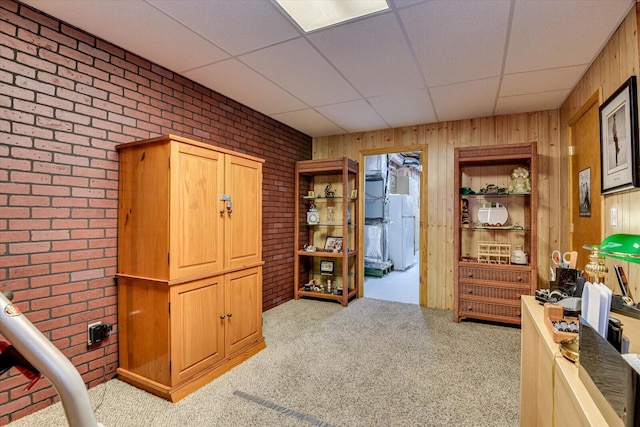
[[495, 239], [327, 207]]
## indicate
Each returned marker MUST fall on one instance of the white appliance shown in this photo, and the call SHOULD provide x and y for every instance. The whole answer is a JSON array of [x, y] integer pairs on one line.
[[374, 199], [401, 231]]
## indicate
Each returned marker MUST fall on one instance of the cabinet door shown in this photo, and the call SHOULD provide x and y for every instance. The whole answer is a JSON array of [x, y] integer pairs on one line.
[[196, 222], [243, 225], [243, 300], [197, 330]]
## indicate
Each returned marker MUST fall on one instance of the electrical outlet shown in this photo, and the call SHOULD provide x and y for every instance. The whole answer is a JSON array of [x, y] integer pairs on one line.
[[92, 333], [614, 216]]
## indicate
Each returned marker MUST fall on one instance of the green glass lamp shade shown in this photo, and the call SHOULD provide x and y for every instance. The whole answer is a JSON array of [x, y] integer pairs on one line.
[[625, 247]]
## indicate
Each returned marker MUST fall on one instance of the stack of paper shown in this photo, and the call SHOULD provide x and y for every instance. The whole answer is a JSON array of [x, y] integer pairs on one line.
[[596, 303]]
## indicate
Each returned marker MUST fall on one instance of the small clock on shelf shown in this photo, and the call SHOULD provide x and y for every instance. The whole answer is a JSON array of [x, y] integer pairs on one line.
[[313, 218], [312, 214]]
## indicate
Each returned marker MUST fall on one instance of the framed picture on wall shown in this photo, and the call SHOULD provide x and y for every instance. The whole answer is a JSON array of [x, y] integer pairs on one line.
[[584, 199], [619, 139]]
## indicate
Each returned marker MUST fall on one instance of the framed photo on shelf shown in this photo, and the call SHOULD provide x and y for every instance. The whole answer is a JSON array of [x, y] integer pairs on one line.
[[619, 139], [326, 266], [333, 244]]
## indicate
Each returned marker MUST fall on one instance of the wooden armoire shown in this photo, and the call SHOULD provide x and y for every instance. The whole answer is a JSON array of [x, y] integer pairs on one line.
[[189, 263]]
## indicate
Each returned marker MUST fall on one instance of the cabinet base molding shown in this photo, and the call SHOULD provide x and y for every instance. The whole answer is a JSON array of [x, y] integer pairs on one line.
[[194, 383]]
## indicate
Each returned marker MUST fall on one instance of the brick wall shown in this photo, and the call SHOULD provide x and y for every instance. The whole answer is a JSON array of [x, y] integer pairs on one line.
[[66, 99]]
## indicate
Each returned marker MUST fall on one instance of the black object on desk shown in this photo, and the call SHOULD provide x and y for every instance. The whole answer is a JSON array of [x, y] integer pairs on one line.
[[613, 377]]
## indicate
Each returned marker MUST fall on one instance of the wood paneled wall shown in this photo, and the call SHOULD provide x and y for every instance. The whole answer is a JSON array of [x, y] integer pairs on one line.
[[617, 61], [439, 194]]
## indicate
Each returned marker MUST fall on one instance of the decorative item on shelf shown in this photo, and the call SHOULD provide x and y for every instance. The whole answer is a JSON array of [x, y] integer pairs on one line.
[[328, 191], [326, 267], [348, 216], [312, 214], [493, 215], [354, 194], [311, 194], [520, 181], [333, 244], [329, 285], [493, 189], [465, 218], [494, 253], [331, 215], [466, 190], [520, 257]]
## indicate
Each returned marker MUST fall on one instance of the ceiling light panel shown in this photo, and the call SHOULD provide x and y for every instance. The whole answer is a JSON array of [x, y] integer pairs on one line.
[[314, 14]]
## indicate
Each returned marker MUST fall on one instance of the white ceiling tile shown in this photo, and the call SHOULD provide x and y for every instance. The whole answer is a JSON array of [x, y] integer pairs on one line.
[[531, 102], [250, 51], [235, 26], [354, 116], [241, 83], [299, 69], [550, 34], [310, 122], [140, 28], [455, 43], [465, 100], [359, 46], [541, 81], [405, 109]]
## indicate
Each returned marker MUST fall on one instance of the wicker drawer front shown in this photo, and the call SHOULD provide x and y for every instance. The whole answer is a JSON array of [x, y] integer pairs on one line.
[[494, 292], [489, 310], [495, 275]]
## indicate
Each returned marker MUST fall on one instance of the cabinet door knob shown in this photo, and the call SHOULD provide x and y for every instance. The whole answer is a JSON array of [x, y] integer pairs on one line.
[[228, 314], [222, 316], [221, 211]]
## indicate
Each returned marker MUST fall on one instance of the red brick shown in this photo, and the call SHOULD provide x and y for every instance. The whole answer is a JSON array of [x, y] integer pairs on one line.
[[26, 248], [65, 267], [12, 188], [50, 212], [29, 201], [49, 257], [43, 303], [30, 271], [54, 279]]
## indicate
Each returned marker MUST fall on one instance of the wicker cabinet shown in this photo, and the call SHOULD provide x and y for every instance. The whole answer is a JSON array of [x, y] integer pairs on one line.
[[189, 263], [495, 242], [327, 214]]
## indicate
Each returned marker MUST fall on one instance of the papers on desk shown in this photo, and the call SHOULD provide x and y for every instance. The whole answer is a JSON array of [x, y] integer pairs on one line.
[[596, 303], [633, 360]]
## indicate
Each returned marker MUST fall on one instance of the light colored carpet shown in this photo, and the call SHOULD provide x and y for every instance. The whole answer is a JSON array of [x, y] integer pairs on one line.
[[374, 363]]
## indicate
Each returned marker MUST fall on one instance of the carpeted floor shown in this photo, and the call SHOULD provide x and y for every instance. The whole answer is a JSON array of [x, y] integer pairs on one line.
[[374, 363]]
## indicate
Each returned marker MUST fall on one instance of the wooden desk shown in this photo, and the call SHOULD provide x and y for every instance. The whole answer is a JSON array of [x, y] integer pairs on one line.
[[551, 393]]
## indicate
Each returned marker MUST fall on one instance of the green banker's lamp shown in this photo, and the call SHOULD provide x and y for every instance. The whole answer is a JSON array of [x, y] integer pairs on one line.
[[624, 247]]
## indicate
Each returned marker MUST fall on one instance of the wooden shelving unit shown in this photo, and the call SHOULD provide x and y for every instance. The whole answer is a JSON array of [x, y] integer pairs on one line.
[[488, 285], [342, 176]]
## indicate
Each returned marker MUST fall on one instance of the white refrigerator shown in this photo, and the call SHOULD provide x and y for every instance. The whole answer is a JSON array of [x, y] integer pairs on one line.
[[401, 231]]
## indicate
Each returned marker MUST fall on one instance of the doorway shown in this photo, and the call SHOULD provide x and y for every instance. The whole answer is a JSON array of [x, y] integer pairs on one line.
[[586, 225], [392, 225]]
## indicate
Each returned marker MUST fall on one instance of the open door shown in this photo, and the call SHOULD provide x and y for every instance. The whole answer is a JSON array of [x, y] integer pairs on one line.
[[584, 180]]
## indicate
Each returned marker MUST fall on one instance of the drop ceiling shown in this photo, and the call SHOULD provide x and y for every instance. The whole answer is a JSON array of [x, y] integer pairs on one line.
[[422, 61]]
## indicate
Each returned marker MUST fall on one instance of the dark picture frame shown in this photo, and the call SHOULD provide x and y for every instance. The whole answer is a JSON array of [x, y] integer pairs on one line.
[[333, 244], [326, 266], [619, 139]]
